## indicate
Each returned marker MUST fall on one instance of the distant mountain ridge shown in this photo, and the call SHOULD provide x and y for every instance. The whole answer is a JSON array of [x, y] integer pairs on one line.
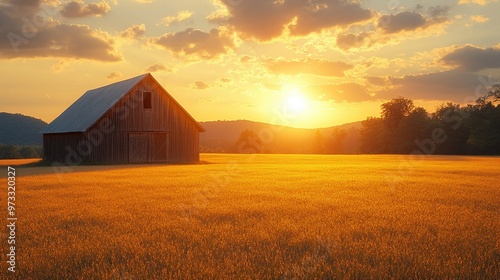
[[222, 136], [20, 130]]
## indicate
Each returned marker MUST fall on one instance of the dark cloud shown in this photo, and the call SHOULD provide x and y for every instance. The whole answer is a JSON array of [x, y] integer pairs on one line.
[[452, 85], [22, 6], [114, 75], [157, 68], [347, 41], [200, 85], [473, 58], [389, 26], [24, 3], [265, 20], [308, 66], [404, 21], [134, 32], [245, 59], [412, 20], [347, 92], [439, 11], [318, 15], [419, 7], [377, 81], [196, 42], [27, 31], [74, 9]]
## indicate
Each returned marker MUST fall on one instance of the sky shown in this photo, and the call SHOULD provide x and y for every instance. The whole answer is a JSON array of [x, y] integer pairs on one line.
[[300, 63]]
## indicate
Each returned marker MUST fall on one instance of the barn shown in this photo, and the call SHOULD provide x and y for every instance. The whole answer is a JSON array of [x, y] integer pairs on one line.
[[132, 121]]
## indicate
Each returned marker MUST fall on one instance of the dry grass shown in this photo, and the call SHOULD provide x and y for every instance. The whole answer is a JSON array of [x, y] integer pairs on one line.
[[262, 217]]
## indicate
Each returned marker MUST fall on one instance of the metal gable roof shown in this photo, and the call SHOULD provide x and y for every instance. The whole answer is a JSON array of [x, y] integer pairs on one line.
[[90, 107]]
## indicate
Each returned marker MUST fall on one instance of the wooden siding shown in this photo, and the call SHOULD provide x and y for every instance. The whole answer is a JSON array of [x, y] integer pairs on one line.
[[109, 138]]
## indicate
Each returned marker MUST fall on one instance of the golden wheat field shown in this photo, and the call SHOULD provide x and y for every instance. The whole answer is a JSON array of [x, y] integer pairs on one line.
[[260, 217]]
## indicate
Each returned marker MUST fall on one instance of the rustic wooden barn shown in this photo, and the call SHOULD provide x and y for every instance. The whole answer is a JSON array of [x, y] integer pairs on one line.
[[132, 121]]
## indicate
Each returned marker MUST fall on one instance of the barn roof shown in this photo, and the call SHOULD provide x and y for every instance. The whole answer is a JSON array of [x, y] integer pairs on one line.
[[92, 105]]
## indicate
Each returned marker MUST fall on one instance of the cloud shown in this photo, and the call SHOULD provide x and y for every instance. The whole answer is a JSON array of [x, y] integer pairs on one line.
[[158, 67], [134, 32], [181, 16], [44, 37], [114, 75], [403, 21], [319, 15], [389, 28], [194, 42], [74, 9], [471, 58], [265, 20], [245, 59], [200, 85], [439, 11], [347, 41], [346, 92], [377, 81], [23, 5], [479, 18], [453, 85], [308, 66], [478, 2]]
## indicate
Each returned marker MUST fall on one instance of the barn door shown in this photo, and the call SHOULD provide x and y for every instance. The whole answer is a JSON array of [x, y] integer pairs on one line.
[[160, 147], [137, 147]]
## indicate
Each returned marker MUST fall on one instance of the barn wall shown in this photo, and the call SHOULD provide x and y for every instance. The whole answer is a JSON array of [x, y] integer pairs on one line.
[[64, 148], [110, 134]]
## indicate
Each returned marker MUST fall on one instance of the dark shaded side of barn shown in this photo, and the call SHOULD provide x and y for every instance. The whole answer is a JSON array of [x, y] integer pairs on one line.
[[131, 133]]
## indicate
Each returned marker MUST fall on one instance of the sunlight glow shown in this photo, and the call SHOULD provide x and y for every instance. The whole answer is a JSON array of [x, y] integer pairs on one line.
[[296, 102]]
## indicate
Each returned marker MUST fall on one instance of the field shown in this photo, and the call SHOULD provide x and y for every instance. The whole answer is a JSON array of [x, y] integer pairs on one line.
[[260, 217]]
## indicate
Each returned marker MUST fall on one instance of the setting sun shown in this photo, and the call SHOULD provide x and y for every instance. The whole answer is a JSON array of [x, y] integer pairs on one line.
[[296, 102]]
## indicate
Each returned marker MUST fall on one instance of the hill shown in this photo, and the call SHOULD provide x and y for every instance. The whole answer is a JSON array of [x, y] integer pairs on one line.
[[20, 130], [222, 136]]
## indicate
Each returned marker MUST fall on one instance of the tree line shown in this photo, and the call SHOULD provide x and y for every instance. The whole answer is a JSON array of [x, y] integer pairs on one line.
[[19, 152], [403, 128]]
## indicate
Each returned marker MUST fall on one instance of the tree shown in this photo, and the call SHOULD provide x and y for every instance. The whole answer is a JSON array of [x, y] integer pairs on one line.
[[337, 143], [484, 125], [9, 152], [494, 94], [318, 143], [452, 119], [451, 129], [413, 127], [395, 110], [374, 137], [397, 129], [249, 143], [29, 152]]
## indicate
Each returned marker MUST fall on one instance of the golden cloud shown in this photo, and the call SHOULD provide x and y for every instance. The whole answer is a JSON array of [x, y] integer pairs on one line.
[[194, 42]]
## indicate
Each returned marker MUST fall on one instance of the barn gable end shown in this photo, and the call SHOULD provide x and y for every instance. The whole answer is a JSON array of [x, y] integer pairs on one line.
[[139, 122]]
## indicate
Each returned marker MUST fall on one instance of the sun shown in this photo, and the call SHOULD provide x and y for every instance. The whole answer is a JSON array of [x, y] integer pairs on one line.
[[295, 101]]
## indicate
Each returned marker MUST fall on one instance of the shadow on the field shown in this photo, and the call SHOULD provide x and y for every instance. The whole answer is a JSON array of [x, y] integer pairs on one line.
[[41, 167]]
